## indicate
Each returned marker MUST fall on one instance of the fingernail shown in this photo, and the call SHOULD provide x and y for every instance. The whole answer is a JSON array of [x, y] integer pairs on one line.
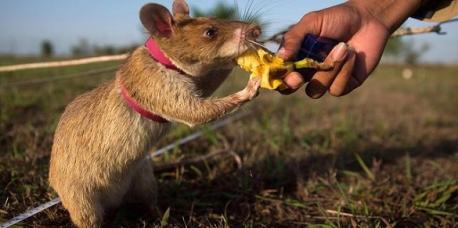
[[293, 81], [340, 52]]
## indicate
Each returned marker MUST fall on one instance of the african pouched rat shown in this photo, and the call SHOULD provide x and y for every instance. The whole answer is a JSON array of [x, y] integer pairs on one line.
[[102, 139]]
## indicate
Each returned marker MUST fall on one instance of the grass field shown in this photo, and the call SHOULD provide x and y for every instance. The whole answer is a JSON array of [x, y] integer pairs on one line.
[[386, 155]]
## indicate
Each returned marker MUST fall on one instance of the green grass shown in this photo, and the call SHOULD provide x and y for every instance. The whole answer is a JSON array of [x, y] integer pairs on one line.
[[384, 155]]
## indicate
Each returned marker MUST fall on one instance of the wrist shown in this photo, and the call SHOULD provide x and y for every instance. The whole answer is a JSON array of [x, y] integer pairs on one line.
[[390, 13]]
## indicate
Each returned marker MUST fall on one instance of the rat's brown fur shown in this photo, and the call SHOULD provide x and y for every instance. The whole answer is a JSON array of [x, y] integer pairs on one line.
[[98, 158]]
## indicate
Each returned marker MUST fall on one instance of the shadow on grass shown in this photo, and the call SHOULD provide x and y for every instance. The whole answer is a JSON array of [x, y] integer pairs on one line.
[[232, 197], [269, 191]]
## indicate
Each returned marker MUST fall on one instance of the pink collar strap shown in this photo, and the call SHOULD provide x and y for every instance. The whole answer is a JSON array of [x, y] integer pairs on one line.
[[133, 104], [158, 55], [155, 53]]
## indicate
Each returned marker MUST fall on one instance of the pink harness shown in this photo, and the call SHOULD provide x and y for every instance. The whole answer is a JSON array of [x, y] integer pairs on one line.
[[155, 53]]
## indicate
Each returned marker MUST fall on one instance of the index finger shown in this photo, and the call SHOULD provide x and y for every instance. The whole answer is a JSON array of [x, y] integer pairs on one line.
[[310, 23]]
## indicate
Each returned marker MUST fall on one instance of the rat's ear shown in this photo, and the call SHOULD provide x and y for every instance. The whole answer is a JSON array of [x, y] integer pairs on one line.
[[180, 7], [157, 20]]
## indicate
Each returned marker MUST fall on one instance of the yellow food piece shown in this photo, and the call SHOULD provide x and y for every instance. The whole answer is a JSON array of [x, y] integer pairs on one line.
[[271, 69], [260, 63]]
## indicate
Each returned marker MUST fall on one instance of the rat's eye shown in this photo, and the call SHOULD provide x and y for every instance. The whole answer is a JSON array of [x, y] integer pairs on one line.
[[210, 32]]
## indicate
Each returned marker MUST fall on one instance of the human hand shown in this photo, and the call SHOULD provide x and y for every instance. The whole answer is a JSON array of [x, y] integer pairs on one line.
[[362, 26]]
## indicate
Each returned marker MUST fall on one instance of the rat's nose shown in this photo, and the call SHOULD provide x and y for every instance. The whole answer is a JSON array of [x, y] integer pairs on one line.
[[254, 32]]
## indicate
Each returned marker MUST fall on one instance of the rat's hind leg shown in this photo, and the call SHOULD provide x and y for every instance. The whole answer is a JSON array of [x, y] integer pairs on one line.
[[143, 188], [85, 211]]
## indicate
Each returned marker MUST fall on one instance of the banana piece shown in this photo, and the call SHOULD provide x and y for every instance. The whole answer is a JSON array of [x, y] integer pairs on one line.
[[271, 69]]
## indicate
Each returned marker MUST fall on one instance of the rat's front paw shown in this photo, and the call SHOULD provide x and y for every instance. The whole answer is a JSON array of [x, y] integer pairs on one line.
[[251, 89]]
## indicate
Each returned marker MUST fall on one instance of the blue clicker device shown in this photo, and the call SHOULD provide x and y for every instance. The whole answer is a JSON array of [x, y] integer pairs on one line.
[[316, 48]]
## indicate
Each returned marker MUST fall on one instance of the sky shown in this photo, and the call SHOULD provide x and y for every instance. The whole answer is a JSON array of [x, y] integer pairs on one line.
[[24, 24]]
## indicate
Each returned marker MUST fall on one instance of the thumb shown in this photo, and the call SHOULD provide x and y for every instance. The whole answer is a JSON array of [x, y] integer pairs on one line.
[[292, 40]]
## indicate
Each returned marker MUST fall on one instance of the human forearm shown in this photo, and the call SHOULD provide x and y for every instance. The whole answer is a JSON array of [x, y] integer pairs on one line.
[[391, 13]]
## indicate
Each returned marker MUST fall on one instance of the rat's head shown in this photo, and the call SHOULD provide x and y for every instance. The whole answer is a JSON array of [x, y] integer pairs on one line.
[[197, 45]]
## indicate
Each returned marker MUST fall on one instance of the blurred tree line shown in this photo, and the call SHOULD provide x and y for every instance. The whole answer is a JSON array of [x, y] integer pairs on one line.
[[47, 49], [400, 49], [84, 48], [221, 10]]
